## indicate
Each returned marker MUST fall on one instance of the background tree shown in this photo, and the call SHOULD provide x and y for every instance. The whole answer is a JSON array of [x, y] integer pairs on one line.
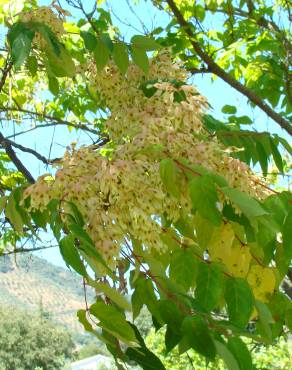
[[162, 199], [30, 341], [278, 356]]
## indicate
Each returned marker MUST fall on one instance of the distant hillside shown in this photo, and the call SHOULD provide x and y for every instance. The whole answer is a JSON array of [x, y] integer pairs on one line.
[[31, 282]]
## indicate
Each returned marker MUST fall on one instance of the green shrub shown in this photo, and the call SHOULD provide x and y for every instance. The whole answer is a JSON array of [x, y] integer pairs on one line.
[[274, 357], [30, 341]]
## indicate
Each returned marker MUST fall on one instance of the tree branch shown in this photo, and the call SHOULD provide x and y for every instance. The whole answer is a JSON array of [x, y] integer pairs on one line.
[[50, 118], [25, 149], [6, 145], [201, 70], [6, 70], [26, 250], [217, 70], [12, 155]]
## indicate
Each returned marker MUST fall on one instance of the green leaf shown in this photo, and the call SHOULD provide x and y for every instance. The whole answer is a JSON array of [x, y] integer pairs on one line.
[[265, 319], [287, 236], [54, 218], [90, 41], [183, 268], [40, 218], [144, 294], [13, 214], [101, 55], [179, 96], [209, 286], [262, 156], [142, 356], [212, 123], [20, 39], [199, 13], [226, 355], [169, 241], [168, 174], [87, 247], [140, 58], [111, 293], [170, 314], [204, 198], [240, 351], [3, 201], [61, 65], [239, 299], [48, 35], [276, 155], [76, 214], [120, 56], [288, 319], [144, 42], [276, 204], [137, 303], [204, 231], [244, 120], [248, 205], [172, 338], [197, 334], [229, 109], [81, 234], [54, 86], [145, 358], [148, 88], [81, 314], [32, 65], [184, 226], [105, 38], [114, 322], [285, 144], [71, 256]]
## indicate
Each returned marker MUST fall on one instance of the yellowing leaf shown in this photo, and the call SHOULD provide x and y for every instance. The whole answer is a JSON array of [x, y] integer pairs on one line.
[[225, 248], [262, 280]]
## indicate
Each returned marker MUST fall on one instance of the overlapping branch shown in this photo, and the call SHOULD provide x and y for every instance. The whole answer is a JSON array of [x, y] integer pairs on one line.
[[220, 72]]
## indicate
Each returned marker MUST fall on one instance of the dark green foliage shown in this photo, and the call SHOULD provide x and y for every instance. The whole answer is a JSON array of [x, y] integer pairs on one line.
[[28, 341]]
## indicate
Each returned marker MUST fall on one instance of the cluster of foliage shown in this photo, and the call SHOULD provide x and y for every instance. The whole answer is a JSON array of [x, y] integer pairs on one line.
[[30, 341], [165, 202], [276, 357]]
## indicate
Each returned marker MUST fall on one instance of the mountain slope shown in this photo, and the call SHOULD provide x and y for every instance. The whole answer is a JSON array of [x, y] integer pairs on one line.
[[27, 281]]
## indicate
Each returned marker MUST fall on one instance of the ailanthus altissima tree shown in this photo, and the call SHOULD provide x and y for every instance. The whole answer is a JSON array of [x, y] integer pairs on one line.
[[164, 204]]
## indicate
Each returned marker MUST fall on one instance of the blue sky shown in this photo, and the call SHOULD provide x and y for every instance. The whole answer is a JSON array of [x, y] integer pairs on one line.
[[217, 92]]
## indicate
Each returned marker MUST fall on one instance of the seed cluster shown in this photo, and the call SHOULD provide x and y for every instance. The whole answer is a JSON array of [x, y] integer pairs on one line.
[[44, 15], [122, 196]]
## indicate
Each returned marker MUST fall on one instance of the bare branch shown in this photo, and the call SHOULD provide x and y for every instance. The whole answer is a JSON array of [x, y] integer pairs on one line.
[[26, 250], [6, 141], [50, 118]]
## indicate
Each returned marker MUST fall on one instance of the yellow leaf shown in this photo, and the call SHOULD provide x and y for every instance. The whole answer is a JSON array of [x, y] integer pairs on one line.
[[262, 280]]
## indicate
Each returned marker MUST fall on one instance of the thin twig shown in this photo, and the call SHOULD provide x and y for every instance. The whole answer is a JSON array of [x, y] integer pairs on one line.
[[27, 250], [50, 118]]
